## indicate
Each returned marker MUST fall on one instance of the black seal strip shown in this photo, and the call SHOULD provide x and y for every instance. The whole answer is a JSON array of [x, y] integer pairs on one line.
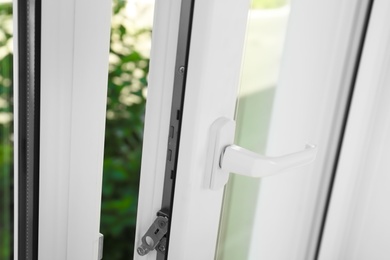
[[29, 45], [180, 75]]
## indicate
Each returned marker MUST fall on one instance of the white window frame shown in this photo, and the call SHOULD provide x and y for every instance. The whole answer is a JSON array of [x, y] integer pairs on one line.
[[74, 71], [332, 29], [308, 108], [75, 39], [357, 226], [158, 109]]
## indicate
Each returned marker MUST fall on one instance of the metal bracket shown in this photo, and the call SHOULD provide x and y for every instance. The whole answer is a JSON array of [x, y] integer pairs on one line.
[[155, 237]]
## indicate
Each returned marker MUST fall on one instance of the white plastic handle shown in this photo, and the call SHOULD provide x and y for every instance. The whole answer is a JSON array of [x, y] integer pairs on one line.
[[224, 157], [244, 162]]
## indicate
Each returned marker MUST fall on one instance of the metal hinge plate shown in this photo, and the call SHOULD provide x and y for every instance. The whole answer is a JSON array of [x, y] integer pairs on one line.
[[155, 237]]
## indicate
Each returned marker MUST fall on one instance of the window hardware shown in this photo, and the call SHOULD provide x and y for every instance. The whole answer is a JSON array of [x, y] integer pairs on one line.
[[155, 237], [225, 157]]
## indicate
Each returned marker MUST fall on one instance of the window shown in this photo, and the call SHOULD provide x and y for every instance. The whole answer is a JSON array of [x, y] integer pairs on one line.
[[309, 107]]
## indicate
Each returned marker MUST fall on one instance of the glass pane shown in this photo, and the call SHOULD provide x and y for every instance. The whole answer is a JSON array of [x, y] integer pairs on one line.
[[262, 56], [6, 132], [127, 84]]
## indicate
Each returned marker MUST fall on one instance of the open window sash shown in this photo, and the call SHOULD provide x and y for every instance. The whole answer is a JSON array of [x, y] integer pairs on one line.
[[323, 39]]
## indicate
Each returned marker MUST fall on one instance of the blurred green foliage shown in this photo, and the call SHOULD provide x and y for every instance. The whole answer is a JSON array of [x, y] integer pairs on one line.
[[124, 131], [6, 123]]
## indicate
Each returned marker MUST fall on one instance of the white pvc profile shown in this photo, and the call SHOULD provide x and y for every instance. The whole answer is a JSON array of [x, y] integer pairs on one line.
[[75, 45], [158, 109], [357, 225], [213, 73], [320, 55]]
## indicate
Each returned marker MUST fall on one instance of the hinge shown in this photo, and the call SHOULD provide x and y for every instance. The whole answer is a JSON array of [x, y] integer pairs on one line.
[[155, 237]]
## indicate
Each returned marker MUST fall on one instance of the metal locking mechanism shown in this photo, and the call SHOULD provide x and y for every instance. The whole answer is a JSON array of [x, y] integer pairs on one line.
[[155, 238]]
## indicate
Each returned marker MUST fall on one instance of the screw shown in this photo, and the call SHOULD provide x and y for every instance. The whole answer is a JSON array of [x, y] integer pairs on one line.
[[161, 224], [161, 248], [141, 250], [182, 69]]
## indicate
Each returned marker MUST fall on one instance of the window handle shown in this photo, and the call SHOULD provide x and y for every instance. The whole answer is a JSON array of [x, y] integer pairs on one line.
[[225, 157], [244, 162]]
